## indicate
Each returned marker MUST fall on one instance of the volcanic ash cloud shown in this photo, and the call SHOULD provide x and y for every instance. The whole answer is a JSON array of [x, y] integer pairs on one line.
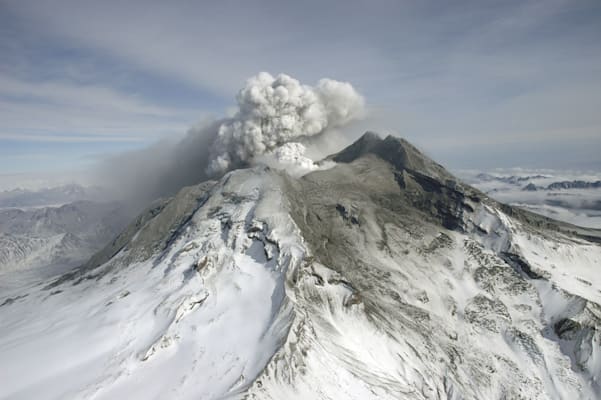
[[273, 111]]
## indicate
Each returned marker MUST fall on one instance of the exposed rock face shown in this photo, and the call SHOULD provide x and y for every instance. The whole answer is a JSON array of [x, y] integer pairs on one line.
[[424, 184], [382, 277]]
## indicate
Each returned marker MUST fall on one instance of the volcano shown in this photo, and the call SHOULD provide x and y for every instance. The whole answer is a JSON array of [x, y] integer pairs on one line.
[[382, 277]]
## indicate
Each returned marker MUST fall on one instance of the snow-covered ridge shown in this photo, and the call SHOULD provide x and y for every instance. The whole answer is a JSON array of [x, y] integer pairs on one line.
[[199, 319], [416, 311]]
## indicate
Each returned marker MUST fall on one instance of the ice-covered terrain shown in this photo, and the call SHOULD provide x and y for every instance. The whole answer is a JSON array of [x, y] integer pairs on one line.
[[380, 277], [569, 196], [62, 236]]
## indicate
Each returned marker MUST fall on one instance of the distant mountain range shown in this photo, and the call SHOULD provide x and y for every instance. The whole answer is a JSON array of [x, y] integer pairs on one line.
[[48, 236], [22, 198], [514, 179], [570, 196], [564, 185], [531, 186]]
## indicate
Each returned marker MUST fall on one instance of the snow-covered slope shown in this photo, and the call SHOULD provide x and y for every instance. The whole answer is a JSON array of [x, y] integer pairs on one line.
[[132, 329], [56, 236], [382, 277], [26, 252]]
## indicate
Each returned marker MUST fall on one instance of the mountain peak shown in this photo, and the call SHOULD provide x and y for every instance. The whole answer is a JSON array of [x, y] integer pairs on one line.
[[397, 151]]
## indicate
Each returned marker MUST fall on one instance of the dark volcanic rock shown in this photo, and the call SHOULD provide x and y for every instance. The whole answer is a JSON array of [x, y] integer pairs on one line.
[[531, 187], [424, 183]]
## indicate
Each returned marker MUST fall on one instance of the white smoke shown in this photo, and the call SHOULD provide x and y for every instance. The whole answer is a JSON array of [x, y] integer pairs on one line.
[[275, 111], [293, 153]]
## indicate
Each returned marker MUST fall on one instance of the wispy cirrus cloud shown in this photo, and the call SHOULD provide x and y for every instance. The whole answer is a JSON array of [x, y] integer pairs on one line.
[[37, 109], [82, 96]]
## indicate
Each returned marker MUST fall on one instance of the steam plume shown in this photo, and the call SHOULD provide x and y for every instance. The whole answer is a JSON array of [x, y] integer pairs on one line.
[[273, 116], [274, 111]]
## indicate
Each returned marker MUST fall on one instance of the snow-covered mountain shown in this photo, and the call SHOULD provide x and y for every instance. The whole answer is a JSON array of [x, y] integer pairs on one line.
[[56, 236], [381, 277]]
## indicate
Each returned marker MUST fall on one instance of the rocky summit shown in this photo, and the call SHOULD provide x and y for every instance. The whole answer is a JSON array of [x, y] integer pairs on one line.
[[380, 277]]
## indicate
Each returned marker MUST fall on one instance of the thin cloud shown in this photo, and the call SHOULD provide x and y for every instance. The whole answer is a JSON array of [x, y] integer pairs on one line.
[[82, 96], [70, 138], [45, 111]]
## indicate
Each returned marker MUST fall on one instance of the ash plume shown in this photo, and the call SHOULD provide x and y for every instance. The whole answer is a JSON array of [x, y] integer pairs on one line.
[[273, 111], [274, 116]]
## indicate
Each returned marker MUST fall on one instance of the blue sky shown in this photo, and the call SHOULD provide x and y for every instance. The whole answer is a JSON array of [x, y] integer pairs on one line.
[[477, 84]]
